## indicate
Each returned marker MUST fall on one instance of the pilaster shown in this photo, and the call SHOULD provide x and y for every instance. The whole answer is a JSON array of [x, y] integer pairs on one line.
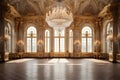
[[114, 10], [4, 54]]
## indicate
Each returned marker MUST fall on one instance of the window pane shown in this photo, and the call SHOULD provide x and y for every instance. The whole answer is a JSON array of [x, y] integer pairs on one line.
[[47, 41], [56, 33], [62, 45], [83, 44], [88, 30], [71, 45], [62, 33], [34, 45], [56, 45], [31, 39], [108, 45], [70, 33], [59, 42], [33, 30], [47, 45], [108, 28], [108, 33], [47, 33], [87, 35], [89, 44], [28, 44]]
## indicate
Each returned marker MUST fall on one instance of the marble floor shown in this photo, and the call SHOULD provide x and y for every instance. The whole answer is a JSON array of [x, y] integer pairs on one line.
[[59, 69]]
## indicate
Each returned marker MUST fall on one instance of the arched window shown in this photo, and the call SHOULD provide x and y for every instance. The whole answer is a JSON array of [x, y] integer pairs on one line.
[[8, 43], [31, 39], [87, 39], [108, 34], [10, 35], [70, 41], [47, 41], [59, 41]]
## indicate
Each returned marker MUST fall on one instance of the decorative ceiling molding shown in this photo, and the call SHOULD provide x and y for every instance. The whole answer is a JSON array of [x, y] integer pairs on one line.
[[39, 7], [105, 11]]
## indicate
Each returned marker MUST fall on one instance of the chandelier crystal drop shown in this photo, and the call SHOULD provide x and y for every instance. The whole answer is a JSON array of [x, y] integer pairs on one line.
[[59, 17]]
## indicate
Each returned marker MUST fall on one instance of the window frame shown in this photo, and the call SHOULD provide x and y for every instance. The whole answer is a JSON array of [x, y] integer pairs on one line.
[[61, 37], [87, 41], [108, 32], [33, 28], [47, 39]]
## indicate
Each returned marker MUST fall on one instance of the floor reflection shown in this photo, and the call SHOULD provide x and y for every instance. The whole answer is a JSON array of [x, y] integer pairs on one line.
[[19, 61], [53, 61], [58, 61], [75, 64], [59, 69], [98, 61]]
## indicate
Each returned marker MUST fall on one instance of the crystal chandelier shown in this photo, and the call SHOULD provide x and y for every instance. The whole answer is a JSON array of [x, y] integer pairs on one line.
[[59, 17]]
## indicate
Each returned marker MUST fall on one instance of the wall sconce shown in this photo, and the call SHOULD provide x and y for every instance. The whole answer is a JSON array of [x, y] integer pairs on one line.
[[77, 46], [20, 42], [76, 42], [97, 46], [40, 46], [40, 42], [97, 42], [20, 46]]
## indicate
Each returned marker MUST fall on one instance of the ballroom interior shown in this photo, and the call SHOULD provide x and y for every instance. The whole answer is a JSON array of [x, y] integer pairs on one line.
[[82, 35]]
